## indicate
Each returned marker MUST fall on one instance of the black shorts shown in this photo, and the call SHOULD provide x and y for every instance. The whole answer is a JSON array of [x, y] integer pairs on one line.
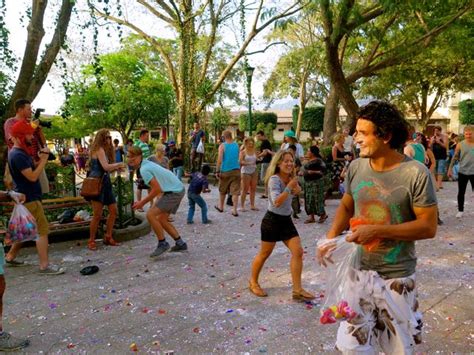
[[277, 228]]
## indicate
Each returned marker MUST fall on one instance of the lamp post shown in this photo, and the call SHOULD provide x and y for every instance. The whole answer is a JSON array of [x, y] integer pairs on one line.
[[249, 73]]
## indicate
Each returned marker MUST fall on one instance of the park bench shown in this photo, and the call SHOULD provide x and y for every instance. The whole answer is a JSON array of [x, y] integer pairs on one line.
[[59, 204]]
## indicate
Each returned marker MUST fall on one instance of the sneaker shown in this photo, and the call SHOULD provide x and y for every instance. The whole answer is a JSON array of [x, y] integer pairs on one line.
[[189, 222], [459, 214], [160, 249], [52, 270], [10, 343], [181, 247], [14, 263], [207, 222]]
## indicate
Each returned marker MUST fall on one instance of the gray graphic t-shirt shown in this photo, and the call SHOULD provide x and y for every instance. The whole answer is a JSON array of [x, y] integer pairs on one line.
[[388, 198]]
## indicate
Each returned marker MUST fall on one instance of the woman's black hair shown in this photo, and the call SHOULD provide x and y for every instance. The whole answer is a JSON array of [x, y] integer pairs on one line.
[[388, 121]]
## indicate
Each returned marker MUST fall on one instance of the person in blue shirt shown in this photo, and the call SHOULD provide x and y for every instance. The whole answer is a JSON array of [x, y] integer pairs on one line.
[[197, 185], [162, 182]]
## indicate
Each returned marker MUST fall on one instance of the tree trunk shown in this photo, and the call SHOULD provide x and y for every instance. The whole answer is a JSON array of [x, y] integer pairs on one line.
[[301, 104], [331, 112], [339, 83]]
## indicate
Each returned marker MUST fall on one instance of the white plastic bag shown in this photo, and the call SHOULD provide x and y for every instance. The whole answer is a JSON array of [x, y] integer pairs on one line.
[[22, 225], [200, 148], [342, 261]]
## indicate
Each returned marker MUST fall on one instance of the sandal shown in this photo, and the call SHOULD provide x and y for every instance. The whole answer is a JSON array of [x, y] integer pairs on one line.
[[310, 220], [254, 209], [91, 245], [303, 295], [323, 218], [217, 208], [235, 214], [110, 241], [257, 290]]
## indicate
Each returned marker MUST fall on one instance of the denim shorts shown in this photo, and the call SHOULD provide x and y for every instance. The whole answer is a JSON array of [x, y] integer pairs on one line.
[[440, 167]]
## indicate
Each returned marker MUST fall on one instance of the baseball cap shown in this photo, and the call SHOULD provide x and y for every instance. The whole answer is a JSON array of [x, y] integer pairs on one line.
[[172, 143], [21, 129], [290, 134]]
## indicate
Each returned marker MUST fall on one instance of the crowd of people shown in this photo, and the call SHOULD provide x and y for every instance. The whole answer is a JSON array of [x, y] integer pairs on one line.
[[388, 195]]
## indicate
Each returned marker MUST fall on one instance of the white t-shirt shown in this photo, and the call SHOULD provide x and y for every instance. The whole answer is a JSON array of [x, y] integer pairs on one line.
[[299, 149]]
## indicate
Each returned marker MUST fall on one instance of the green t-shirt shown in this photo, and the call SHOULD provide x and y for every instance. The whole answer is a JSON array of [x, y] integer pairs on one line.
[[388, 198], [146, 152]]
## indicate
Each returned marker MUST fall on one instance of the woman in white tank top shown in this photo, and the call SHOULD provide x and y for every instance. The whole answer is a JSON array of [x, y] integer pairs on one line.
[[248, 173]]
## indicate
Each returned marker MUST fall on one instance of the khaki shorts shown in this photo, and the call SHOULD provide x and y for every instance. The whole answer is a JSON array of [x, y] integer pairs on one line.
[[36, 209], [230, 180], [169, 201]]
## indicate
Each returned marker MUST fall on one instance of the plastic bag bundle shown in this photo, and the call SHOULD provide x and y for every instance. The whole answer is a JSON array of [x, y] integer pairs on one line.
[[22, 225], [342, 260]]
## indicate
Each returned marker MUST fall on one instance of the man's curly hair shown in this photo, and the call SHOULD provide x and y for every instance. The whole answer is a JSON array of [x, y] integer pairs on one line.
[[388, 121]]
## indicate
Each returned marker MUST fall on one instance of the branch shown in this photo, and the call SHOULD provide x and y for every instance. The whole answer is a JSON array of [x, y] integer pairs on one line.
[[268, 46], [170, 20], [341, 23], [241, 52], [436, 102], [398, 58], [173, 14], [52, 49], [369, 15], [344, 45], [212, 38], [377, 44], [152, 41]]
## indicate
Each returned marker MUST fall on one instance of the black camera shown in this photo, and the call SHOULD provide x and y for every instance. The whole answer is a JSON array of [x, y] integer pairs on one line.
[[45, 124]]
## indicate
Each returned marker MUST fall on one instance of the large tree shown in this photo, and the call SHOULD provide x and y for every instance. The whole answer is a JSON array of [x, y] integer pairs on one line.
[[199, 28], [126, 95], [362, 38]]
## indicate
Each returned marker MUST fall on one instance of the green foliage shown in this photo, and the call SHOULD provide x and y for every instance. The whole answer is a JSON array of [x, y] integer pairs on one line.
[[313, 119], [258, 117], [61, 180], [220, 119], [466, 112], [130, 95]]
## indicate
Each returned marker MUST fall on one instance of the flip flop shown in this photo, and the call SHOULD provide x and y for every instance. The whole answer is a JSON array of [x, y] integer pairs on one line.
[[89, 270], [255, 209], [217, 208], [235, 214], [308, 221]]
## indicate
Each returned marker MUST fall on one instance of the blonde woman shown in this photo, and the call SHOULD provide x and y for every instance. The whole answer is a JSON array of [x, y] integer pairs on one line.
[[248, 171], [277, 224], [160, 157], [100, 165]]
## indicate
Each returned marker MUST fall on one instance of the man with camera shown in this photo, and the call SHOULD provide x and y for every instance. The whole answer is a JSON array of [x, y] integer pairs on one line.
[[23, 113], [25, 174]]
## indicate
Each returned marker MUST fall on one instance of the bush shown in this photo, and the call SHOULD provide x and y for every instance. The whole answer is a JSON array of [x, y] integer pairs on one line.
[[466, 112], [313, 119], [258, 117]]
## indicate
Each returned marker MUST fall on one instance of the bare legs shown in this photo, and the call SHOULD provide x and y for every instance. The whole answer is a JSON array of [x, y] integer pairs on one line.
[[159, 222], [296, 262], [41, 247], [248, 183], [97, 208]]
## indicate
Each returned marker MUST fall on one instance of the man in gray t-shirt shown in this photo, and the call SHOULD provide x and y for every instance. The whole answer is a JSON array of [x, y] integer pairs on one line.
[[389, 203]]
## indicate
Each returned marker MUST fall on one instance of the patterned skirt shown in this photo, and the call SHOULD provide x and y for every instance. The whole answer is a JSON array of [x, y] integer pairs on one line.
[[314, 197]]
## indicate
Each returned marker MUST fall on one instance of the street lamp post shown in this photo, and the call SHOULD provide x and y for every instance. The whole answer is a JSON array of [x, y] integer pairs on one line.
[[249, 73]]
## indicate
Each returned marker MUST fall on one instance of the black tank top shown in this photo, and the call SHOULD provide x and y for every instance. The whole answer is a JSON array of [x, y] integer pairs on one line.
[[439, 151]]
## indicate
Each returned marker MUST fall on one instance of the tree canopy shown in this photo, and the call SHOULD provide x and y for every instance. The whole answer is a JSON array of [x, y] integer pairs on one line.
[[126, 95]]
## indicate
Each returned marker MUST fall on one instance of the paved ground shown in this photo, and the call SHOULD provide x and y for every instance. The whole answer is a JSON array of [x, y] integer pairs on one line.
[[197, 302]]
